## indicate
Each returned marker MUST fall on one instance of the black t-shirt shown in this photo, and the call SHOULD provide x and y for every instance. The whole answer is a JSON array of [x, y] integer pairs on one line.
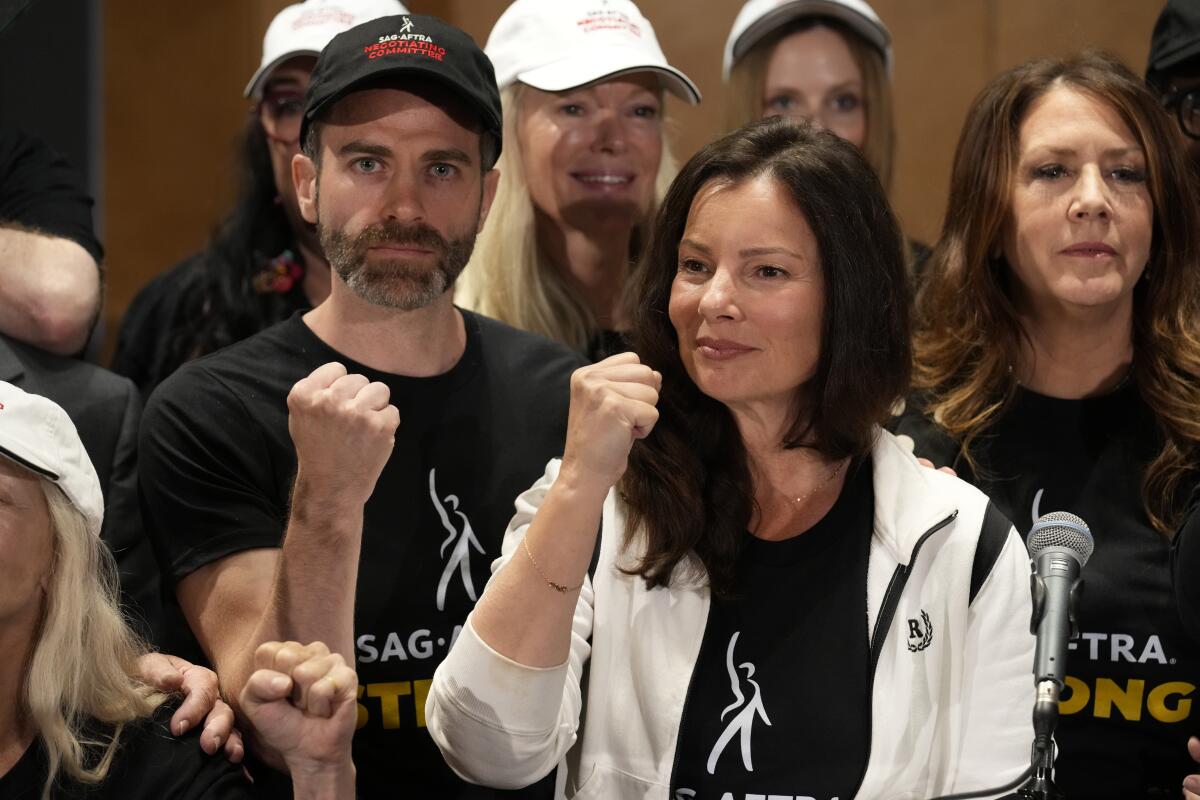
[[779, 702], [607, 343], [150, 764], [1185, 564], [40, 190], [217, 469], [1126, 712]]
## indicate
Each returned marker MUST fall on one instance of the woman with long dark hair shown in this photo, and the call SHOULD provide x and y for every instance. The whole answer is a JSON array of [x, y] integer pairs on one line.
[[1058, 369], [781, 601]]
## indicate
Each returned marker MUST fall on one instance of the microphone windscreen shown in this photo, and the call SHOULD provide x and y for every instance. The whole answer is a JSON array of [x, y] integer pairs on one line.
[[1062, 531]]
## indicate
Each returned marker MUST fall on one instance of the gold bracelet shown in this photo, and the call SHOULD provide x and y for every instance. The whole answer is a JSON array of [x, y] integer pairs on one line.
[[558, 587]]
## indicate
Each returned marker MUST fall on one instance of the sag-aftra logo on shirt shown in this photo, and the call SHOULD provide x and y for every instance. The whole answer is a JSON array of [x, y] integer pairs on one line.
[[395, 704], [741, 719]]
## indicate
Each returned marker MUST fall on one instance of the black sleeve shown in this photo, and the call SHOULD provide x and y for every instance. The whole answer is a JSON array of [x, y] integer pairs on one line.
[[1185, 571], [124, 532], [929, 439], [153, 763], [40, 190], [205, 475], [157, 314], [220, 784], [992, 538]]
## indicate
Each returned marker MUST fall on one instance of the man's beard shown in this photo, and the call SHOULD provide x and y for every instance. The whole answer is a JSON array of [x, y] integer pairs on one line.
[[396, 282]]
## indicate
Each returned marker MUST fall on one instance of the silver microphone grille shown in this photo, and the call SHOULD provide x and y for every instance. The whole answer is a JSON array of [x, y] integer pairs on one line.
[[1063, 530]]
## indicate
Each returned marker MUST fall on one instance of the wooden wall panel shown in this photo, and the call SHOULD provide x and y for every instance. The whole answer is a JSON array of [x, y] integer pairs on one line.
[[173, 80], [1027, 29], [174, 74], [941, 61]]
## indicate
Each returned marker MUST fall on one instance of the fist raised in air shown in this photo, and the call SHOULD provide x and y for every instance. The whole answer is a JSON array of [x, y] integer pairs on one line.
[[344, 428]]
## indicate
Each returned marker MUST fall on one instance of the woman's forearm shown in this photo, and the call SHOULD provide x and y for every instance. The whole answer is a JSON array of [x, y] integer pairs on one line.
[[525, 613]]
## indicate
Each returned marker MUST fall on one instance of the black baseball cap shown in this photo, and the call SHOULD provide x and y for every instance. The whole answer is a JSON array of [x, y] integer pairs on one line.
[[406, 45], [1176, 38]]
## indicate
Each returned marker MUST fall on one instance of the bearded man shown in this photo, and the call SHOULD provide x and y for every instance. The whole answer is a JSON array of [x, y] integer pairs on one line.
[[300, 484]]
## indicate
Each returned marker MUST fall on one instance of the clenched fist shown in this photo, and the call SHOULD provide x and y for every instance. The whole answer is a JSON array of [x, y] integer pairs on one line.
[[343, 427], [302, 702], [613, 403]]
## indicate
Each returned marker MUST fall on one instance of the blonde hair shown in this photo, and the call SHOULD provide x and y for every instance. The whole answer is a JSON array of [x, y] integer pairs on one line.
[[508, 277], [84, 659], [744, 98]]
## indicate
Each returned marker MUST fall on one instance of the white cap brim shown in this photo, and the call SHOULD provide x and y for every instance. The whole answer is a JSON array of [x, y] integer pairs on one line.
[[745, 35], [255, 86], [573, 72], [21, 453]]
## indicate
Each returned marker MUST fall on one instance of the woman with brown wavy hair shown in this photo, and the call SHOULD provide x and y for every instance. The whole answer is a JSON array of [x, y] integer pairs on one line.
[[781, 601], [1058, 368]]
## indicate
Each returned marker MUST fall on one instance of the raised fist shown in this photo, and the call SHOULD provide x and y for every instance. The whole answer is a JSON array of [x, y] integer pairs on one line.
[[343, 427], [612, 404], [302, 702]]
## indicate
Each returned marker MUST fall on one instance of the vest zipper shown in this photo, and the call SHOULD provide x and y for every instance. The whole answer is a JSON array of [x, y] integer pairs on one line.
[[883, 622]]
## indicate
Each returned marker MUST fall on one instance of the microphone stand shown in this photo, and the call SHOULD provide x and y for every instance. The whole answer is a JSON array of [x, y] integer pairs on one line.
[[1040, 785]]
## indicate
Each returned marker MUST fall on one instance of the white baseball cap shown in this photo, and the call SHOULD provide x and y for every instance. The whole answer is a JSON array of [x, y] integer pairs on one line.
[[37, 434], [555, 45], [758, 18], [305, 28]]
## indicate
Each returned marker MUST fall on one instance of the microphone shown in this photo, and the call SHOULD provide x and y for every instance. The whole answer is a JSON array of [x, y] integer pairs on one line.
[[1059, 544]]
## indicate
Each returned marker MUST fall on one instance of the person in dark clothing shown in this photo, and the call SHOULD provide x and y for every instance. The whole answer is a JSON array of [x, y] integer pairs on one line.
[[1173, 68], [49, 255], [345, 476], [1057, 367], [264, 262]]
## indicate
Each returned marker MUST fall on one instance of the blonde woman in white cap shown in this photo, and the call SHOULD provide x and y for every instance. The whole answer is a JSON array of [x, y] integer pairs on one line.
[[582, 84], [75, 718], [264, 262], [828, 61]]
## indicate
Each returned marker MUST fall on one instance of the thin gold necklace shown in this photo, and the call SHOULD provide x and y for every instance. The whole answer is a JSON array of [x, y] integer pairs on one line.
[[800, 501]]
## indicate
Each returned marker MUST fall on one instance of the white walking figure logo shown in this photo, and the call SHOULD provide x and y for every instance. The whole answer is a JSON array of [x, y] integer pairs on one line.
[[407, 26], [743, 722], [464, 540]]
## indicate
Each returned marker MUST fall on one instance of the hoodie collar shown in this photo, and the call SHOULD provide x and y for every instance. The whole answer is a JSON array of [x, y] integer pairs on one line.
[[907, 501]]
